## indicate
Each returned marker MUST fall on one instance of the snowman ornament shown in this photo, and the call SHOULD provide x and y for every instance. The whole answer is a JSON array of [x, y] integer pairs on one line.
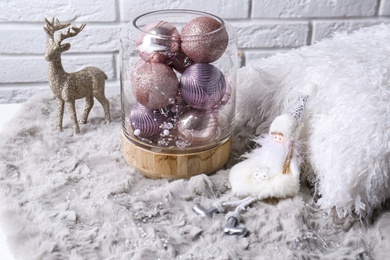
[[269, 171]]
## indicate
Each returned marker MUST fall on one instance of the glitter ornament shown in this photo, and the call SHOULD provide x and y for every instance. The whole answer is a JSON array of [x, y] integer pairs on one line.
[[145, 122], [204, 39], [154, 84], [202, 86], [198, 127], [158, 42]]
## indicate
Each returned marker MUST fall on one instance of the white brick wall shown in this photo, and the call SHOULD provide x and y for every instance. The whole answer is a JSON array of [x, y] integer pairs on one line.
[[264, 27]]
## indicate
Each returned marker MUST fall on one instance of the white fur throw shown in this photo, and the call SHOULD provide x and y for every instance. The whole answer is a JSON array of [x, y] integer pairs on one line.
[[347, 127], [74, 197]]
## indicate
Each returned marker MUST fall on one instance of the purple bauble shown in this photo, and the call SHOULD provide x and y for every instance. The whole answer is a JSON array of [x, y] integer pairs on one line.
[[155, 85], [204, 39], [145, 122], [202, 86], [198, 127], [158, 42]]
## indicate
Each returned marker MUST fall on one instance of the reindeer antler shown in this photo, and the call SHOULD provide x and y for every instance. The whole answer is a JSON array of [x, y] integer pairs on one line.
[[75, 30], [50, 28]]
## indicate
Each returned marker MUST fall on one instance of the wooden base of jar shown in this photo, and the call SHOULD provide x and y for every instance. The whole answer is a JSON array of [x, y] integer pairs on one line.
[[175, 166]]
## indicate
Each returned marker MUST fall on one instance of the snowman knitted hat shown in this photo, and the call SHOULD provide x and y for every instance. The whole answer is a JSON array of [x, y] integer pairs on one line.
[[288, 124]]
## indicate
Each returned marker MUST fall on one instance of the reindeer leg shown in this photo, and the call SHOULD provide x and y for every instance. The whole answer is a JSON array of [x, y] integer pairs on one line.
[[106, 106], [88, 107], [72, 112], [60, 113]]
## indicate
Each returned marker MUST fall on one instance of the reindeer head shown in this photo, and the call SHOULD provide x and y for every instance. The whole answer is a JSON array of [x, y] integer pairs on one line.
[[54, 47]]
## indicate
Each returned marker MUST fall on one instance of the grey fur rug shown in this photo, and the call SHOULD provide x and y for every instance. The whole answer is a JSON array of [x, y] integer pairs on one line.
[[74, 197]]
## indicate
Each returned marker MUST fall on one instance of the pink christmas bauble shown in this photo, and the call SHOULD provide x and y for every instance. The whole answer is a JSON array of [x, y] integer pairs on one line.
[[202, 86], [204, 39], [158, 42], [154, 84], [198, 127], [145, 122]]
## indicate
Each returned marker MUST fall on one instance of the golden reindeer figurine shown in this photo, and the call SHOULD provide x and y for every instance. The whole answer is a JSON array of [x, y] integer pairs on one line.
[[67, 87]]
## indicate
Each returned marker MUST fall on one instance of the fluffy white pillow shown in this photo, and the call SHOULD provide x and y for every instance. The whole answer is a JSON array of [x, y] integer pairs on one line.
[[346, 128]]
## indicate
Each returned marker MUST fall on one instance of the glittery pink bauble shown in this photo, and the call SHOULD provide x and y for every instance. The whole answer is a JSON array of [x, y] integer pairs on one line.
[[158, 42], [202, 86], [154, 84], [198, 127], [145, 122], [204, 39], [181, 62]]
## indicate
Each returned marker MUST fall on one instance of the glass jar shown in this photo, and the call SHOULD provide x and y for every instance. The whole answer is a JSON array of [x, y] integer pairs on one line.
[[178, 85]]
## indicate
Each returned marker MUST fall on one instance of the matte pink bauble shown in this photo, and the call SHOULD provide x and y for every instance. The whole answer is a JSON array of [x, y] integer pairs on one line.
[[158, 42], [145, 122], [204, 39], [198, 127], [154, 84], [202, 86]]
